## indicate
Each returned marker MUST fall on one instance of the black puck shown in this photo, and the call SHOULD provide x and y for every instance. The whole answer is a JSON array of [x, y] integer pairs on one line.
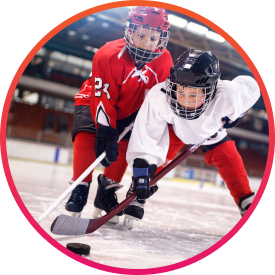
[[79, 248]]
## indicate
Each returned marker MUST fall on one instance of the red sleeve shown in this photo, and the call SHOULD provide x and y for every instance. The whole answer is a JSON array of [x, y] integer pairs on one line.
[[104, 92], [84, 95]]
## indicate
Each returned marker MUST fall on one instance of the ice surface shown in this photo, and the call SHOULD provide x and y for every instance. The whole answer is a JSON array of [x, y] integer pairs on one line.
[[180, 221]]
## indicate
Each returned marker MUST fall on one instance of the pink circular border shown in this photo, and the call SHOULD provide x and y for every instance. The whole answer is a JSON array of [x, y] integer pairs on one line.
[[203, 254]]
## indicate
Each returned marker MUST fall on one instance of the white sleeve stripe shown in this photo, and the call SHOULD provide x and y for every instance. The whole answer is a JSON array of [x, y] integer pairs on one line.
[[101, 116], [80, 95], [122, 52]]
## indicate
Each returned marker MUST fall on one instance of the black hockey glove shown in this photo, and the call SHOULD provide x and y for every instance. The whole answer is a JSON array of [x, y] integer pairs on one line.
[[230, 123], [153, 189], [106, 139], [143, 172]]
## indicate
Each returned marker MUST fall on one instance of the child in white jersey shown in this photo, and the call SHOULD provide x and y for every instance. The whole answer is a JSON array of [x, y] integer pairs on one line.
[[194, 101]]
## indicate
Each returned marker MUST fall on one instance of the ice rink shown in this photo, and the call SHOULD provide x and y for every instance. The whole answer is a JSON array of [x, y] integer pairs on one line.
[[181, 220]]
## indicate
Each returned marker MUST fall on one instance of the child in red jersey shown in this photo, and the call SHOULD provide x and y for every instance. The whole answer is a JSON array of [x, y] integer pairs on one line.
[[123, 72]]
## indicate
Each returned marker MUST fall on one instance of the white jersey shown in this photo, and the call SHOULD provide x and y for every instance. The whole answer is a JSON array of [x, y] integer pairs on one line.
[[150, 136]]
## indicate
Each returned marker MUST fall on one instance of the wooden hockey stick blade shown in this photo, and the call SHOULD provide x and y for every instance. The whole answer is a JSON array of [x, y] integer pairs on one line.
[[67, 225]]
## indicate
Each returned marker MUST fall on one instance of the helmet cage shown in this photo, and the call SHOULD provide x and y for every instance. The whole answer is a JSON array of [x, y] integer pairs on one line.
[[179, 107], [197, 70], [140, 55]]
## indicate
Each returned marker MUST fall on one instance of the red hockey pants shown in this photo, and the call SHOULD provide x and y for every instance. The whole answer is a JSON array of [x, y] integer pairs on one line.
[[225, 157], [231, 168], [84, 155]]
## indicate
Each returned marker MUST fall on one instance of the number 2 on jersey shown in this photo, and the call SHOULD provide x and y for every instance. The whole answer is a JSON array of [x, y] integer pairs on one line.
[[98, 87]]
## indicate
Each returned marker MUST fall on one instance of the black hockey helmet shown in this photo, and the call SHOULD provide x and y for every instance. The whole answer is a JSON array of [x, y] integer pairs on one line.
[[193, 69]]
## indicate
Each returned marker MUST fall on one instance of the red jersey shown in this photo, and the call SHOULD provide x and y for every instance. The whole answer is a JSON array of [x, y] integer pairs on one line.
[[116, 88]]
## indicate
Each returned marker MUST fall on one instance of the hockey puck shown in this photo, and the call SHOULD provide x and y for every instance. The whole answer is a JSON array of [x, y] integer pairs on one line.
[[79, 248]]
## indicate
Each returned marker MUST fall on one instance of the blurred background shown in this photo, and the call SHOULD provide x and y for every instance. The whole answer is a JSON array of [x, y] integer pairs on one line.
[[41, 112]]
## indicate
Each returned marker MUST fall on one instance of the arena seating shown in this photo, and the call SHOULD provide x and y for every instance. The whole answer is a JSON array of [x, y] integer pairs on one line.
[[27, 121]]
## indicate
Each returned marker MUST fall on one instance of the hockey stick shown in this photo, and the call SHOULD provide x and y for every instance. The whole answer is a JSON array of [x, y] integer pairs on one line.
[[81, 178], [67, 225]]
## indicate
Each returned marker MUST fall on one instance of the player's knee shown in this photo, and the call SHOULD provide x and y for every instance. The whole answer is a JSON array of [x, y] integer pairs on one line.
[[223, 153]]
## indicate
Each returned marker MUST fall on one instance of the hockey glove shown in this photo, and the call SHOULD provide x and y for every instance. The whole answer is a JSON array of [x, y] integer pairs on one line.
[[106, 139], [153, 189], [230, 123], [143, 172]]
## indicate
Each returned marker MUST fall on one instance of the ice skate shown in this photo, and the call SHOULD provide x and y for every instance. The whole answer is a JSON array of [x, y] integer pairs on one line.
[[106, 198], [78, 199], [133, 212], [245, 202]]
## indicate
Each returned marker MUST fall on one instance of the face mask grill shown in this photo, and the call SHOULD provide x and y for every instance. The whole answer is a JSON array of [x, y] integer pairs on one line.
[[144, 43], [188, 102]]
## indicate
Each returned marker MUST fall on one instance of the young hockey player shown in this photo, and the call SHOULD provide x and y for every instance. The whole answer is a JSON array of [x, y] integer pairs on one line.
[[195, 102], [123, 72]]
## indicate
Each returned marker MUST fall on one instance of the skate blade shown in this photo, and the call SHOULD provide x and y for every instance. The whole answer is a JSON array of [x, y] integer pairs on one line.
[[74, 214], [98, 214], [129, 221], [114, 220]]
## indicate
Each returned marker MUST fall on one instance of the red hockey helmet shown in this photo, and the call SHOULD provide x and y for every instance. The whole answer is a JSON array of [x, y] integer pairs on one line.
[[149, 17], [151, 23]]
